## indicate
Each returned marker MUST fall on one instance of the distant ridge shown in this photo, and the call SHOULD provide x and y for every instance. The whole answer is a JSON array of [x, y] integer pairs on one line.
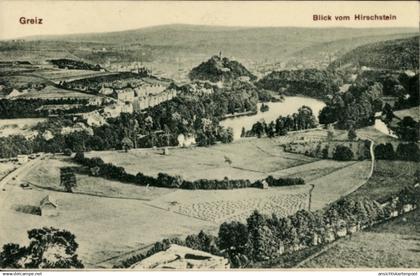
[[183, 29]]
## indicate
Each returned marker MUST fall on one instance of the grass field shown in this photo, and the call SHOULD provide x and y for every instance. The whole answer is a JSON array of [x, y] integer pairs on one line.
[[413, 112], [388, 177], [201, 162], [57, 75], [6, 168], [393, 244]]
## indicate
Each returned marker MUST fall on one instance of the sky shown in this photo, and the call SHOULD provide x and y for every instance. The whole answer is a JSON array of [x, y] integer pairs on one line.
[[69, 17]]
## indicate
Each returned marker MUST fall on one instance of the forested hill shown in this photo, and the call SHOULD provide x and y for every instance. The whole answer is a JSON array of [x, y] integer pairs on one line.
[[392, 54], [220, 69], [309, 82]]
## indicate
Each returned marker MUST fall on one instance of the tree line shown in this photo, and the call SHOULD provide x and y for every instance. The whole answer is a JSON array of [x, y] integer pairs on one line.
[[404, 151], [303, 119]]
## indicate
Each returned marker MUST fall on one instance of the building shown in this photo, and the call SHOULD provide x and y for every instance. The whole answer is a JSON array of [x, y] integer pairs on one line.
[[127, 108], [181, 257], [185, 141], [149, 89], [47, 135], [126, 95], [106, 91], [112, 111], [48, 206], [262, 184]]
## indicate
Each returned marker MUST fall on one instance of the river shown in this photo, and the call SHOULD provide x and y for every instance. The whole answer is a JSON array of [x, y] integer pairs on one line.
[[288, 106]]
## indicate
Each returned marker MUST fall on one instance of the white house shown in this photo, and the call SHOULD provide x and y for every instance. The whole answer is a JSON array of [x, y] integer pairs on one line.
[[47, 135], [14, 93], [49, 206], [106, 91], [185, 141], [127, 108]]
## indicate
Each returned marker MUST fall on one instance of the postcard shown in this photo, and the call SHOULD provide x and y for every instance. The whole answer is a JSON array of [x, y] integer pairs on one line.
[[209, 135]]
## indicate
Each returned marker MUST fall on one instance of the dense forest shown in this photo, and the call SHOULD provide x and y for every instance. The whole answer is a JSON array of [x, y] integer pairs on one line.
[[396, 54], [220, 69], [354, 109], [309, 82]]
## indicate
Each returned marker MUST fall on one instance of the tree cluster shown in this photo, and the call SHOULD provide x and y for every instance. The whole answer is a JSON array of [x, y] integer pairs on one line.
[[48, 248], [309, 82], [65, 63], [404, 151], [303, 119], [354, 109]]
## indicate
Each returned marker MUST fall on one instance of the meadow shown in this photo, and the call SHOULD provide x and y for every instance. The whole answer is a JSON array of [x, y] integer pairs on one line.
[[209, 162]]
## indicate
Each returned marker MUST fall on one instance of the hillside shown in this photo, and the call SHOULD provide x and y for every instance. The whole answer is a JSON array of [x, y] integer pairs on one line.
[[309, 82], [327, 52], [391, 54], [219, 69]]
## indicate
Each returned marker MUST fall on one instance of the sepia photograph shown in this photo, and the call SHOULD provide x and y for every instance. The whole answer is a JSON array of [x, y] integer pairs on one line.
[[209, 136]]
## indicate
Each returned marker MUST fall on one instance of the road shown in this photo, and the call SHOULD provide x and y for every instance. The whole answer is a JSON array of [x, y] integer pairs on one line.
[[22, 171]]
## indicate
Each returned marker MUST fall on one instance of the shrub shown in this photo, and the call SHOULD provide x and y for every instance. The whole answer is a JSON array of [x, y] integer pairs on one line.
[[408, 152], [284, 181], [67, 152], [343, 153], [385, 152]]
